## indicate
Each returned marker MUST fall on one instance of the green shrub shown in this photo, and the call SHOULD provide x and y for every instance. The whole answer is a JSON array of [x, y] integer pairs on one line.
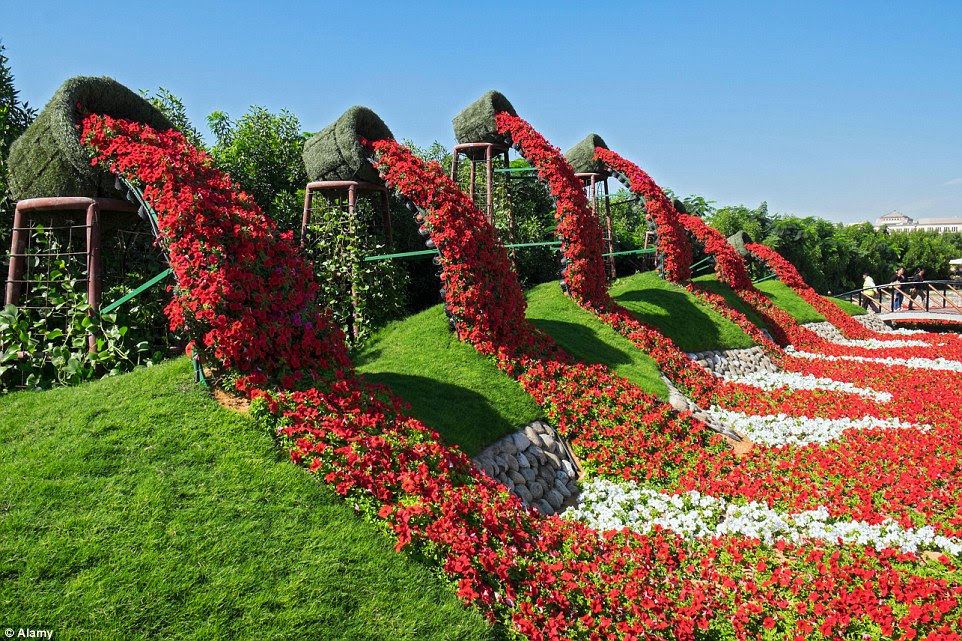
[[262, 152], [44, 340]]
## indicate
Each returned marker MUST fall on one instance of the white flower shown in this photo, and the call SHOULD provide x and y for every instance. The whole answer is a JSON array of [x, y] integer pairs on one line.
[[918, 363], [780, 429], [606, 505], [794, 380]]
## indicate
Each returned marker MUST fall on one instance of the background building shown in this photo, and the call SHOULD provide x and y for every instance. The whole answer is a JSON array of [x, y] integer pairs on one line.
[[897, 221]]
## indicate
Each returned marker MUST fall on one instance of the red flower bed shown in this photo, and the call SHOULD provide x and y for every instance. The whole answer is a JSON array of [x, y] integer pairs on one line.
[[672, 241], [547, 578], [578, 228], [244, 294]]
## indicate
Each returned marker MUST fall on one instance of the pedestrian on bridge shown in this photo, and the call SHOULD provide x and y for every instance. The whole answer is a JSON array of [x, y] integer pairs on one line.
[[918, 291], [897, 295], [868, 294]]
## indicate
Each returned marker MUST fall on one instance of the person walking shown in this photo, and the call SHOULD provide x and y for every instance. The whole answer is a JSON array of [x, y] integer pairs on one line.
[[897, 296], [868, 294], [918, 290]]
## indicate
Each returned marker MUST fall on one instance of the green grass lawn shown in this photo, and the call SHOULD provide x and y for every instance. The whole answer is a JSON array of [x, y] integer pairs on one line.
[[450, 386], [136, 507], [587, 338], [691, 325], [781, 295]]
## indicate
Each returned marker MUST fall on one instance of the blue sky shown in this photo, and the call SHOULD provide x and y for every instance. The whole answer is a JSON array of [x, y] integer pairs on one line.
[[840, 110]]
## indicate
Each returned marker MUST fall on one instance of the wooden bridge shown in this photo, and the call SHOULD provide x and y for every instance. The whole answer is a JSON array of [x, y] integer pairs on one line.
[[927, 300]]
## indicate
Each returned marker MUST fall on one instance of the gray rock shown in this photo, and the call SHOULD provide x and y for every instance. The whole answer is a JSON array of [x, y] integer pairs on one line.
[[532, 459], [561, 488], [517, 478], [512, 462], [569, 469], [554, 498], [536, 489], [538, 452], [521, 441], [524, 494], [532, 433], [555, 461], [528, 474], [544, 507], [572, 486], [522, 460], [507, 446]]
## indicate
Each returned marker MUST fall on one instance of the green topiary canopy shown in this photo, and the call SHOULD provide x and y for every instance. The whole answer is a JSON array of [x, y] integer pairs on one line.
[[582, 159], [335, 153], [739, 240], [476, 122], [47, 160]]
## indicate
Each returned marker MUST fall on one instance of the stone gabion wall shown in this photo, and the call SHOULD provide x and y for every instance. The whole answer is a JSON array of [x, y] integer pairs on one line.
[[826, 330], [873, 322], [536, 465], [724, 362]]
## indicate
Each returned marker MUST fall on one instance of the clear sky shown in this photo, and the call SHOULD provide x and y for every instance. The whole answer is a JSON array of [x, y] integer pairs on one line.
[[843, 110]]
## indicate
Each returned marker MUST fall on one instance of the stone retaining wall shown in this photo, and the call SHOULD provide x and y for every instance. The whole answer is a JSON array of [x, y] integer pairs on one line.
[[536, 465], [722, 362], [826, 330], [873, 322]]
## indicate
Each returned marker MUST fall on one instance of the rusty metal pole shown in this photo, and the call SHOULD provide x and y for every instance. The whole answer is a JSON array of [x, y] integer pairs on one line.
[[386, 219], [507, 199], [18, 245], [306, 219], [454, 164], [355, 300], [94, 266], [490, 186], [471, 181], [611, 235]]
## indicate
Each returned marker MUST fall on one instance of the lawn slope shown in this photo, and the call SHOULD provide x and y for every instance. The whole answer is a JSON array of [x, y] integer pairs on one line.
[[451, 387], [137, 507]]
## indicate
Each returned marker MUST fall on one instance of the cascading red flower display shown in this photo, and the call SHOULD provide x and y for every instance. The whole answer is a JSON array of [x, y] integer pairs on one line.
[[244, 293], [544, 578], [672, 244], [582, 243]]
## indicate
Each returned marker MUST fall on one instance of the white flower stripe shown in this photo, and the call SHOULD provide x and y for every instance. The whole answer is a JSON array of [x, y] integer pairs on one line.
[[780, 429], [606, 505], [943, 364], [794, 380]]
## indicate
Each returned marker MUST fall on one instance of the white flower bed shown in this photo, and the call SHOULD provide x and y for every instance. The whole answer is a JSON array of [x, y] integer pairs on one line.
[[917, 363], [794, 380], [780, 429], [606, 505], [874, 343]]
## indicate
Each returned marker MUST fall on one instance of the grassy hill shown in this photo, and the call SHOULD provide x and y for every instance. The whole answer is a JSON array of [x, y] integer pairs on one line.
[[137, 507]]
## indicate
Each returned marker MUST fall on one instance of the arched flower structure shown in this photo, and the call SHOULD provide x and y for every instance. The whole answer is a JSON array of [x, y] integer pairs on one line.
[[542, 578]]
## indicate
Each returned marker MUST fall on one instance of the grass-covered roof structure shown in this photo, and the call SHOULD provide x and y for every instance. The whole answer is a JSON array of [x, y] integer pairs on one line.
[[739, 240], [582, 159], [47, 160], [476, 122], [335, 153]]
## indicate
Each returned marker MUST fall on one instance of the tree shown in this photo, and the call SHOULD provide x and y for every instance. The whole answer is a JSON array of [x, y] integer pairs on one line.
[[263, 153], [15, 117], [172, 106]]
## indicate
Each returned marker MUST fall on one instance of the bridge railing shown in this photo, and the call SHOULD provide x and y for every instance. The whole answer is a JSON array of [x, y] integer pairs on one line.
[[928, 295]]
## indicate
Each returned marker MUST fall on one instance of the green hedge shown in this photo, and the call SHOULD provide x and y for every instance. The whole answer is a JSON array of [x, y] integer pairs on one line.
[[581, 157], [47, 160], [335, 153], [476, 122]]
